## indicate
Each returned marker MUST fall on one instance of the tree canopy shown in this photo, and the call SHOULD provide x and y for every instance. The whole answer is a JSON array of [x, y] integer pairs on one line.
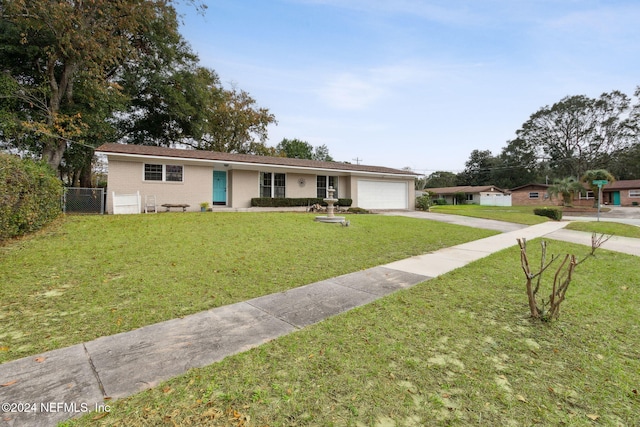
[[579, 133], [565, 188], [81, 73], [298, 149], [574, 135]]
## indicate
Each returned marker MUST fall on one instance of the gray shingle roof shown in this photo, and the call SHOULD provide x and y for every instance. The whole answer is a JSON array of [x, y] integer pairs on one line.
[[146, 150]]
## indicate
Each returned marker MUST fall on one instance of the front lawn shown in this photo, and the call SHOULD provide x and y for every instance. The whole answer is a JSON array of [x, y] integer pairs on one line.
[[517, 214], [457, 350], [90, 276], [604, 227]]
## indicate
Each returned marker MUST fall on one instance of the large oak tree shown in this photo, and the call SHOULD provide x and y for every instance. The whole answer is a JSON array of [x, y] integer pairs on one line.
[[81, 72], [579, 133], [63, 42]]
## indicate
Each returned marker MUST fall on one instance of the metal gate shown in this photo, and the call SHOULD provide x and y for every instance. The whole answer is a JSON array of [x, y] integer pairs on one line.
[[84, 200]]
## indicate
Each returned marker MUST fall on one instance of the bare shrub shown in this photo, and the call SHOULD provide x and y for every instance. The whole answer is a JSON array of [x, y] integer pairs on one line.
[[549, 309]]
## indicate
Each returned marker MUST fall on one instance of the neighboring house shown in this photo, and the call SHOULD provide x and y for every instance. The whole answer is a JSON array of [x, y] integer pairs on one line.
[[622, 193], [618, 193], [487, 195], [533, 195], [176, 176]]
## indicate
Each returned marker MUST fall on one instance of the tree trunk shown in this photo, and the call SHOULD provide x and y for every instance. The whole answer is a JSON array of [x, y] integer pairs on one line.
[[85, 175], [53, 151]]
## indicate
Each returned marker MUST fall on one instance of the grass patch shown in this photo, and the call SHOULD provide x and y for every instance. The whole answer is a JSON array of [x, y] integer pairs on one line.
[[457, 350], [612, 228], [517, 214], [91, 276]]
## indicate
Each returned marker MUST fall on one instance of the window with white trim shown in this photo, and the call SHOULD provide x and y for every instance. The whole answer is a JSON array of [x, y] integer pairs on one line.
[[587, 196], [323, 182], [634, 193], [163, 173], [273, 184], [534, 195]]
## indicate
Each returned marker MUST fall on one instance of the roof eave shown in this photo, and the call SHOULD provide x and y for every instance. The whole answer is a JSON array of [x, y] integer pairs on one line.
[[256, 165]]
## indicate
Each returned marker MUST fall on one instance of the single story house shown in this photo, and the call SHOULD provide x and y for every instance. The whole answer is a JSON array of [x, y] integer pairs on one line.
[[488, 195], [622, 193], [617, 193], [191, 177], [533, 195]]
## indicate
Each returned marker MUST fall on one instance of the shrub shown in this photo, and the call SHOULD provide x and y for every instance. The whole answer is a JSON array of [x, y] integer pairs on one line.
[[552, 213], [440, 201], [358, 211], [280, 202], [423, 202], [30, 196]]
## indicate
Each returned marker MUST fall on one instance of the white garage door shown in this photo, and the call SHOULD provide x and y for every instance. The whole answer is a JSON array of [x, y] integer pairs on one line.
[[382, 195]]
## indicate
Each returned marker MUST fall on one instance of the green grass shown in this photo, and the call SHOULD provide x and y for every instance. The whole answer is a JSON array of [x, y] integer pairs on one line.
[[457, 350], [517, 214], [90, 276], [612, 228]]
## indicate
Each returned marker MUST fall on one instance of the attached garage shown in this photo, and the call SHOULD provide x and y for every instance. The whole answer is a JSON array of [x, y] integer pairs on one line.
[[383, 194]]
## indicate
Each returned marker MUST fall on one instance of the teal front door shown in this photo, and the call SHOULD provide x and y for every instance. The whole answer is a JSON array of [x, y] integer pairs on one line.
[[219, 187], [616, 198]]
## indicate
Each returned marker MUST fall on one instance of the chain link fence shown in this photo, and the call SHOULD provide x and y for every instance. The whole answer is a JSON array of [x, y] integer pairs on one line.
[[84, 200]]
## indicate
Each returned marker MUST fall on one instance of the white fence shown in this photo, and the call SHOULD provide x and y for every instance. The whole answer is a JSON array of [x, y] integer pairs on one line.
[[126, 203], [496, 200]]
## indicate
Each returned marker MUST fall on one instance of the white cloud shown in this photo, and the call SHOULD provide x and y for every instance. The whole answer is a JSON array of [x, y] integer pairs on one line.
[[350, 92], [361, 90]]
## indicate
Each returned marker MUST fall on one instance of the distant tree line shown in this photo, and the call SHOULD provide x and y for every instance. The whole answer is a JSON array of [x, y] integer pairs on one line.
[[569, 138]]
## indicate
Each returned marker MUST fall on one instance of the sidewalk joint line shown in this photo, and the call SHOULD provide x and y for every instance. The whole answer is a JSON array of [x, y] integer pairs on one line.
[[274, 316], [95, 371]]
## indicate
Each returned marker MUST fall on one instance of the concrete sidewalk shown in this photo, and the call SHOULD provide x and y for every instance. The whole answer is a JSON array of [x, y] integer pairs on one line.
[[52, 387]]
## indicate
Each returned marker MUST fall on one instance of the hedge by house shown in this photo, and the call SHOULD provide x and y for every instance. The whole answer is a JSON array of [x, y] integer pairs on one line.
[[281, 202], [553, 213], [30, 196]]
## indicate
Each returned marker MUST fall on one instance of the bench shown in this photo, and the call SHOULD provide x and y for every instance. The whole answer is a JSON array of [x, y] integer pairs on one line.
[[173, 205]]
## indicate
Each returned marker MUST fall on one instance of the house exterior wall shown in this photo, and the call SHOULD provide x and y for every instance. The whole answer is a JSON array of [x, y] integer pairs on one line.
[[344, 185], [243, 186], [412, 195], [630, 196], [523, 197], [127, 177], [296, 190]]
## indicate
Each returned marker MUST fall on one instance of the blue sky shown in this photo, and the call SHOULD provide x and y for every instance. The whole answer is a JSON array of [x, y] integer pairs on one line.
[[411, 83]]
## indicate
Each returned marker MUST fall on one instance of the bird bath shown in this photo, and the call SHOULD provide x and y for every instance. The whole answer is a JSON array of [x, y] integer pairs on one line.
[[330, 217]]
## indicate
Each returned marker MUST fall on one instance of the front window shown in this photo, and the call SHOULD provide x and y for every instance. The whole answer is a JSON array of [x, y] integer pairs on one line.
[[323, 183], [173, 173], [587, 196], [534, 195], [167, 173], [634, 193], [152, 172], [279, 184], [272, 184]]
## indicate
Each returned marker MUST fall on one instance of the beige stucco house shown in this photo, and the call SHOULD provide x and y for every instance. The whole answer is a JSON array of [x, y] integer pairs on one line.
[[190, 177]]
